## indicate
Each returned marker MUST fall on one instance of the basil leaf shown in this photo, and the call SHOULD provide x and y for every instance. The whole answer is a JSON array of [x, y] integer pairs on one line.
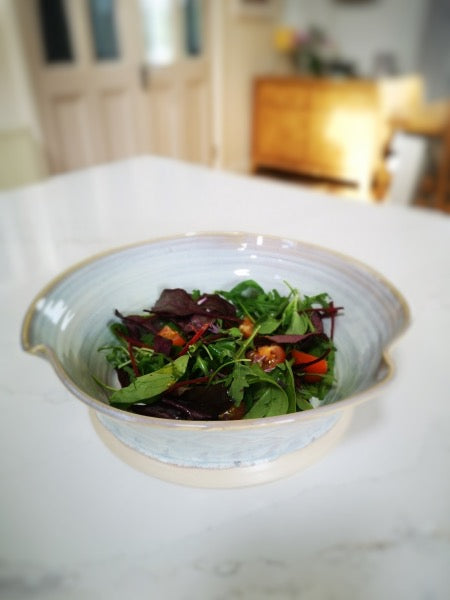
[[151, 385]]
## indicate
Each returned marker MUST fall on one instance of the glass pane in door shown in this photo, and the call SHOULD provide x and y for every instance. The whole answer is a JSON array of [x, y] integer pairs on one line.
[[55, 33], [193, 27], [159, 22], [104, 30]]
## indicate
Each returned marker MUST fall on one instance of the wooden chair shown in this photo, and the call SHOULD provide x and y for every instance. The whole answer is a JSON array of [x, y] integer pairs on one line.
[[432, 122]]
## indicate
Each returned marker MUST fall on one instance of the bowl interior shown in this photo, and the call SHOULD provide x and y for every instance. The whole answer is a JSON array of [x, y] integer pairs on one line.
[[68, 320]]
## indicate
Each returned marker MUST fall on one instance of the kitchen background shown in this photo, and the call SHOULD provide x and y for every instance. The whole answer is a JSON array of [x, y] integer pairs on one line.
[[85, 82]]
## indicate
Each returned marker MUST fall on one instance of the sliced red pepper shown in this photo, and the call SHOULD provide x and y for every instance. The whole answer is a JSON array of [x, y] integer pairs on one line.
[[133, 359], [197, 335], [313, 366]]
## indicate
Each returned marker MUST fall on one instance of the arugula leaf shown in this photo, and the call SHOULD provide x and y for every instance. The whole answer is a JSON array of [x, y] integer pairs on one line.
[[252, 301], [152, 384], [294, 320], [239, 382], [290, 387], [246, 289]]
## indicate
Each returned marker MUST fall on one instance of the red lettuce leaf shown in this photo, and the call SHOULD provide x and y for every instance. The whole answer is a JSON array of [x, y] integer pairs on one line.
[[291, 338], [178, 303]]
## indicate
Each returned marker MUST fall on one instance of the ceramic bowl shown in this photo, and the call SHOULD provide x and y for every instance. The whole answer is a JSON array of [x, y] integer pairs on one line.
[[67, 323]]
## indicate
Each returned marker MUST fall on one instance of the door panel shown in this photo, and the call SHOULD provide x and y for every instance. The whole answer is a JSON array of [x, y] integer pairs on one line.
[[71, 118], [179, 78], [91, 105], [164, 121], [116, 106], [94, 104], [196, 118]]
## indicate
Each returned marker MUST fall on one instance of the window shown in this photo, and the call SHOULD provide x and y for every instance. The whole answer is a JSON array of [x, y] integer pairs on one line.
[[104, 32], [193, 27], [159, 18], [55, 31], [165, 22]]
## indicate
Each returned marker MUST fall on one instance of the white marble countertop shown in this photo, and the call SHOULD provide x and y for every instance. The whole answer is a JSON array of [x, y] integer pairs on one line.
[[370, 520]]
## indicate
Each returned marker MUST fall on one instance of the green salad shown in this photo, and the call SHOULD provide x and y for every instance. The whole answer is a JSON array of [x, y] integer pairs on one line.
[[239, 354]]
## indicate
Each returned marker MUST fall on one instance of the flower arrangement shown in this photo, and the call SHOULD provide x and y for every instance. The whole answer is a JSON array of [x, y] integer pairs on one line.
[[310, 51]]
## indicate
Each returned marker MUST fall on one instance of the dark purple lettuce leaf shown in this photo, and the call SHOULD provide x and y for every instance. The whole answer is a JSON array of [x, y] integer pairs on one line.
[[162, 345], [124, 378], [137, 325], [290, 338], [192, 323], [175, 302], [316, 320], [199, 403], [214, 305], [178, 303]]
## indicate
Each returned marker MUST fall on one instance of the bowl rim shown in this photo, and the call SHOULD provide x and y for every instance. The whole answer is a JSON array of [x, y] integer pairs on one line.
[[302, 416]]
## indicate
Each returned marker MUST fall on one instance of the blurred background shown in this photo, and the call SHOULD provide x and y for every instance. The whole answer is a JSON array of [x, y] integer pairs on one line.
[[350, 96]]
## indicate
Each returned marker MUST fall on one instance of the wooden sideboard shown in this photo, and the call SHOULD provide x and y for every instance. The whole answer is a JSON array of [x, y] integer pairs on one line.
[[318, 127]]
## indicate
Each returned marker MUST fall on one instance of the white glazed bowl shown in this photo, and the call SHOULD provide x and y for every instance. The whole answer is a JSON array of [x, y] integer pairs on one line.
[[67, 323]]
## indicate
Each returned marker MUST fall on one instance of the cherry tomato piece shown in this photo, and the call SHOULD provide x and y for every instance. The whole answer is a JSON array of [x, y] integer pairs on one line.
[[268, 357], [246, 327], [170, 334]]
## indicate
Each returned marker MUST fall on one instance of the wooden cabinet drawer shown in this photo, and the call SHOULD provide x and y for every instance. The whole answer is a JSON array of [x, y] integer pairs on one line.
[[282, 134], [282, 96], [351, 95], [323, 128]]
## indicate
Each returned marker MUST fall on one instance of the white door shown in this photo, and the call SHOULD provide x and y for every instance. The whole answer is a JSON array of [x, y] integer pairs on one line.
[[178, 76], [103, 91]]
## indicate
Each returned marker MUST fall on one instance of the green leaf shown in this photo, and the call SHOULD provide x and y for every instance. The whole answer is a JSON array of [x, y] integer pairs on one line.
[[201, 365], [298, 324], [302, 401], [251, 300], [248, 289], [239, 382], [269, 325], [290, 388], [322, 299], [222, 350], [151, 385], [271, 401]]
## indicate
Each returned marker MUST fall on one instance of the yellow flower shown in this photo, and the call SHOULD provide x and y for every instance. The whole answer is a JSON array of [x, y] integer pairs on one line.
[[284, 39]]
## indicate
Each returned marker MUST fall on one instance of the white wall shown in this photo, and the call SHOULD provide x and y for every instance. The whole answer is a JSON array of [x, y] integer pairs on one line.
[[363, 29], [21, 157], [247, 51]]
